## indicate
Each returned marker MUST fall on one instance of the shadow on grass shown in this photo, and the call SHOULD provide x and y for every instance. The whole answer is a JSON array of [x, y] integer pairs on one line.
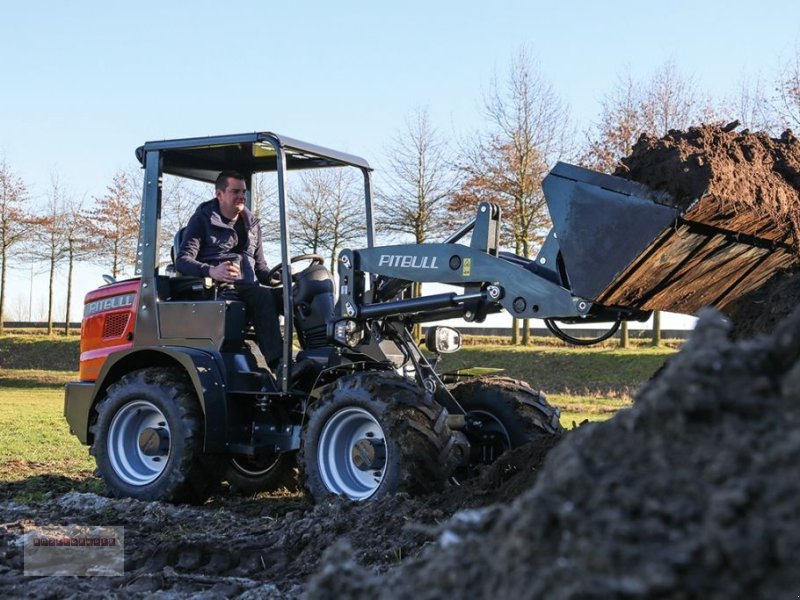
[[34, 380], [43, 487], [559, 371]]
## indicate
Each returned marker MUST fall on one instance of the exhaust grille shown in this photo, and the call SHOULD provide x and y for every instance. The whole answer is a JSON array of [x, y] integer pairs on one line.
[[115, 324]]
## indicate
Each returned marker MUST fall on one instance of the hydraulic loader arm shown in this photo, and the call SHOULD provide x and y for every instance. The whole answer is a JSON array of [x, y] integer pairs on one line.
[[490, 282]]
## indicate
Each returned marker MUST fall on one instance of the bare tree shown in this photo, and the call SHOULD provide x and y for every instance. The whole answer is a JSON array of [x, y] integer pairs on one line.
[[323, 215], [51, 239], [671, 101], [788, 88], [346, 219], [264, 204], [180, 198], [15, 224], [528, 129], [667, 101], [622, 121], [307, 218], [753, 107], [419, 181], [78, 246], [113, 225]]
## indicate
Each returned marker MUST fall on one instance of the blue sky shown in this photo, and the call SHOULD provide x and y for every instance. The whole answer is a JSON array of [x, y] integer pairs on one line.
[[84, 83]]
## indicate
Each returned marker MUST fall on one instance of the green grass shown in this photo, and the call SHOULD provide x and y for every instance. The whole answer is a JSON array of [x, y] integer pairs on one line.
[[39, 457], [586, 383]]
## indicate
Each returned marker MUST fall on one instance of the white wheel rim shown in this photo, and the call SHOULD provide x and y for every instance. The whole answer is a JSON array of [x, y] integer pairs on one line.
[[127, 459], [335, 454]]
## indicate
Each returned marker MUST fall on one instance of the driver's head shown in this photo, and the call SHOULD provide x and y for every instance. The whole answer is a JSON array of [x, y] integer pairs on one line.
[[231, 192]]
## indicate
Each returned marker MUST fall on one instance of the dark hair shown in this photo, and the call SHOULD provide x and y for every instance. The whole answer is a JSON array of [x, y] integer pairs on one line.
[[221, 184]]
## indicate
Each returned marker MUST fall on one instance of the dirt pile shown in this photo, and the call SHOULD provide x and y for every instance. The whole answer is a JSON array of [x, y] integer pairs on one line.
[[739, 196], [691, 493], [762, 310], [750, 182]]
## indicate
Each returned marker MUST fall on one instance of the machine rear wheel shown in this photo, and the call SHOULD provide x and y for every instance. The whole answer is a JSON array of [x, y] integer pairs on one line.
[[503, 414], [148, 438], [375, 434]]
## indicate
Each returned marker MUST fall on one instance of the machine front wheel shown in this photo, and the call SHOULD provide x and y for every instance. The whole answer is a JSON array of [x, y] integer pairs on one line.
[[375, 434]]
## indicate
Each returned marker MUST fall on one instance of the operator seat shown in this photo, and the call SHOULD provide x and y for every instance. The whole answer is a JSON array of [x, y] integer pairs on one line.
[[187, 287]]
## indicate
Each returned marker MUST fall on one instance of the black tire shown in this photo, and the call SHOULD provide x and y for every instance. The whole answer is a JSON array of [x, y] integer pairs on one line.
[[374, 434], [509, 411], [253, 475], [153, 410]]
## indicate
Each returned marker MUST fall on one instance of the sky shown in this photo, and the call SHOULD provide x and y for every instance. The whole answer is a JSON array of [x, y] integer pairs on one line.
[[86, 82]]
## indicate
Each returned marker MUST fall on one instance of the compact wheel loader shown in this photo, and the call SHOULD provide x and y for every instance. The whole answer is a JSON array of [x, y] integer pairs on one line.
[[172, 398]]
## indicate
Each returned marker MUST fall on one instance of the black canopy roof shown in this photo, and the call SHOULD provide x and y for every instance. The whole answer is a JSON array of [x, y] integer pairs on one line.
[[203, 158]]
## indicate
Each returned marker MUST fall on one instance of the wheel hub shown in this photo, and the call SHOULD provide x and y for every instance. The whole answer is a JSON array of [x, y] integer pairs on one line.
[[154, 441], [352, 453], [369, 454], [138, 443]]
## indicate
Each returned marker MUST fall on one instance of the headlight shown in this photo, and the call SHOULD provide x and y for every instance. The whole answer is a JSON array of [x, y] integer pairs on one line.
[[443, 340], [348, 333]]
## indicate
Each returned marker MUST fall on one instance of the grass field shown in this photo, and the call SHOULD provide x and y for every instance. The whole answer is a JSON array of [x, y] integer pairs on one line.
[[38, 455]]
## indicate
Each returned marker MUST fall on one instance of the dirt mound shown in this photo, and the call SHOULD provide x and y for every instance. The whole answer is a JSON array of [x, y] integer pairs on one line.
[[750, 182], [690, 493], [762, 310]]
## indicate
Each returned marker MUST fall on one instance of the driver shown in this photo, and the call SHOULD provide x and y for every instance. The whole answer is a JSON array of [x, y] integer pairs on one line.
[[223, 241]]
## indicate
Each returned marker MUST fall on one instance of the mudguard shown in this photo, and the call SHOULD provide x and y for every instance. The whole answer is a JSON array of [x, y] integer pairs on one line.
[[203, 368]]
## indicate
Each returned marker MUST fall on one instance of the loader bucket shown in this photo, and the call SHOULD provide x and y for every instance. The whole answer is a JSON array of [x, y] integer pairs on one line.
[[625, 245]]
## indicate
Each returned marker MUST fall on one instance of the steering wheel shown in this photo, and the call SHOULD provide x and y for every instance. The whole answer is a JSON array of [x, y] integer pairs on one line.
[[275, 275]]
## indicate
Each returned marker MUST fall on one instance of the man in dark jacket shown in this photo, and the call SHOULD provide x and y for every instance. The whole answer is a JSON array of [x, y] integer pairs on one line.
[[223, 241]]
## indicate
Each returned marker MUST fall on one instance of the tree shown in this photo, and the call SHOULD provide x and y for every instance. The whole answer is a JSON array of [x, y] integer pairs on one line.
[[753, 108], [528, 127], [622, 121], [419, 181], [180, 198], [15, 225], [51, 239], [264, 204], [78, 247], [788, 89], [667, 101], [113, 225], [309, 206], [324, 214], [345, 220]]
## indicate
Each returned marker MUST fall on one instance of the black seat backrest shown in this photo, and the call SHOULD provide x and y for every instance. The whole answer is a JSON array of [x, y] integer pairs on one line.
[[176, 244]]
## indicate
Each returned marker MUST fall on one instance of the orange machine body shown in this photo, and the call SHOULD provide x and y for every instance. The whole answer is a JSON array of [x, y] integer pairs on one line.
[[109, 319]]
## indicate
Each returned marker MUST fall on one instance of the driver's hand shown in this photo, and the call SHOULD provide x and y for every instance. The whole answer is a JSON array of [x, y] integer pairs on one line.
[[226, 272]]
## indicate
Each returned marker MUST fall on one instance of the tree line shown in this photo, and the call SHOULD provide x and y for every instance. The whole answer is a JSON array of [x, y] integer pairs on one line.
[[428, 183]]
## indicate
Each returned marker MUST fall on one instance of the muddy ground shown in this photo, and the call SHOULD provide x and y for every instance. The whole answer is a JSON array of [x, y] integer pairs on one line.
[[690, 493], [264, 547]]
